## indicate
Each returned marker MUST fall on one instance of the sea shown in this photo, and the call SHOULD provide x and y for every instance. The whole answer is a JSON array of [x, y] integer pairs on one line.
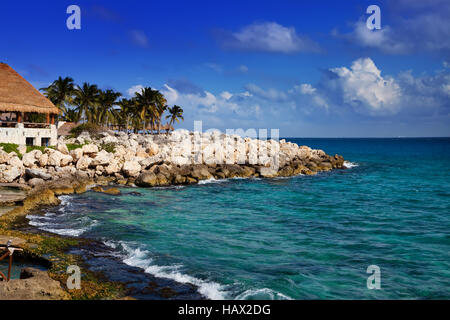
[[379, 229]]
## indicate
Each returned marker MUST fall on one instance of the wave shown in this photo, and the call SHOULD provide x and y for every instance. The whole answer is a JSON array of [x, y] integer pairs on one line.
[[50, 221], [140, 258], [262, 294], [350, 165], [212, 180]]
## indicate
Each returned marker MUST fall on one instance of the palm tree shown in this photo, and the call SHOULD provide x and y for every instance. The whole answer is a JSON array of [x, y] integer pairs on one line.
[[160, 107], [146, 105], [175, 113], [103, 111], [85, 99], [127, 108], [71, 115], [60, 92]]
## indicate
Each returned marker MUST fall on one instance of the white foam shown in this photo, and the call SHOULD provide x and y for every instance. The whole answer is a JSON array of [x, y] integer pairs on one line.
[[66, 232], [137, 257], [212, 180], [262, 294], [350, 165]]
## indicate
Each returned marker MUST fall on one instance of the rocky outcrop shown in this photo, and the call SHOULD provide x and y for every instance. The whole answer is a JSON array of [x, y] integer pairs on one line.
[[33, 284], [181, 157]]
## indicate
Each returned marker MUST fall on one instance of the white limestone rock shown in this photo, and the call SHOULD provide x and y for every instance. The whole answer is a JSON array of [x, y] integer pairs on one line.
[[131, 168], [83, 163]]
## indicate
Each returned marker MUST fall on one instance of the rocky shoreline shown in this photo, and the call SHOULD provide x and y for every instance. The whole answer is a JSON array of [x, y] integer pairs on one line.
[[181, 157], [100, 161]]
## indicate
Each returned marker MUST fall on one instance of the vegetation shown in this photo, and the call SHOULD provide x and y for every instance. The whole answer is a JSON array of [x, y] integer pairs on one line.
[[41, 148], [96, 108], [92, 128], [109, 147], [11, 147], [72, 146]]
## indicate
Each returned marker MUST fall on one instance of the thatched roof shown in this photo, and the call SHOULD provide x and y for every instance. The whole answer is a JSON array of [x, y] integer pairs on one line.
[[64, 130], [162, 127], [18, 95]]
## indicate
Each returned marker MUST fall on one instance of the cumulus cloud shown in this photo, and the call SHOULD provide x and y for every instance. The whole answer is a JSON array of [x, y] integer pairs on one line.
[[365, 89], [360, 91], [200, 102], [269, 37], [136, 88]]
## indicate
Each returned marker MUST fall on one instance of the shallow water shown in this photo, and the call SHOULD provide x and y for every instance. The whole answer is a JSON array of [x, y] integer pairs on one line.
[[306, 237]]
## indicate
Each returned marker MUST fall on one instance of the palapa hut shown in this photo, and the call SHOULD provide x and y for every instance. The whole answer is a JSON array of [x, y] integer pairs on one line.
[[164, 127], [19, 99]]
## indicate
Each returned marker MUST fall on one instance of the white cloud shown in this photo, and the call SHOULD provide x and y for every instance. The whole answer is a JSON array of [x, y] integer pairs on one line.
[[364, 88], [270, 37], [200, 102], [306, 88], [413, 27], [226, 95], [383, 39], [136, 88]]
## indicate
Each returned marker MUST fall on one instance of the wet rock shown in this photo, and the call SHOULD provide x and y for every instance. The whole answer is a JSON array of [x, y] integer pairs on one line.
[[146, 179], [36, 173]]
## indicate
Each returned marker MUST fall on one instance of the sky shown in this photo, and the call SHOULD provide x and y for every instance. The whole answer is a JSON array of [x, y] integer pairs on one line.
[[307, 68]]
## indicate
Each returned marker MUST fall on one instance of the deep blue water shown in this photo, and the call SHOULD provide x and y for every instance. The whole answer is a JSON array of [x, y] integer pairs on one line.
[[306, 237]]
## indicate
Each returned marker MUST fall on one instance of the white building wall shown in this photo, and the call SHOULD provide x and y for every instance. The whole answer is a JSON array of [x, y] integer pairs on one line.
[[19, 134]]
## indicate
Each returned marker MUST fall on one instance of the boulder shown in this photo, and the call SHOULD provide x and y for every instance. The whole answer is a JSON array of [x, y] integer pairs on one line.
[[61, 147], [131, 168], [146, 179], [76, 154], [66, 160], [29, 159], [15, 162], [36, 173], [152, 149], [11, 174], [113, 167], [54, 158], [102, 158], [33, 284], [35, 182], [4, 157], [149, 161], [83, 163], [200, 172], [43, 160], [90, 149]]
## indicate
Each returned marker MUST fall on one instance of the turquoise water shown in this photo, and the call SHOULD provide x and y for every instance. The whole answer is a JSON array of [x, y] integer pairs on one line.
[[306, 237]]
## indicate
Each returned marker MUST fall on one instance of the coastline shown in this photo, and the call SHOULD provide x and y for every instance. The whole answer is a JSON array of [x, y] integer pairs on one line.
[[60, 251]]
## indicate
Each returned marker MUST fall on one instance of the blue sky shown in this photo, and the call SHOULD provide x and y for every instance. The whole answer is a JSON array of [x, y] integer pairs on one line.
[[308, 68]]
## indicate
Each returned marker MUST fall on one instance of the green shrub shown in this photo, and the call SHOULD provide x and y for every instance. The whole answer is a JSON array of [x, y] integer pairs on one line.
[[92, 128], [42, 148], [108, 147], [72, 146], [11, 147]]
